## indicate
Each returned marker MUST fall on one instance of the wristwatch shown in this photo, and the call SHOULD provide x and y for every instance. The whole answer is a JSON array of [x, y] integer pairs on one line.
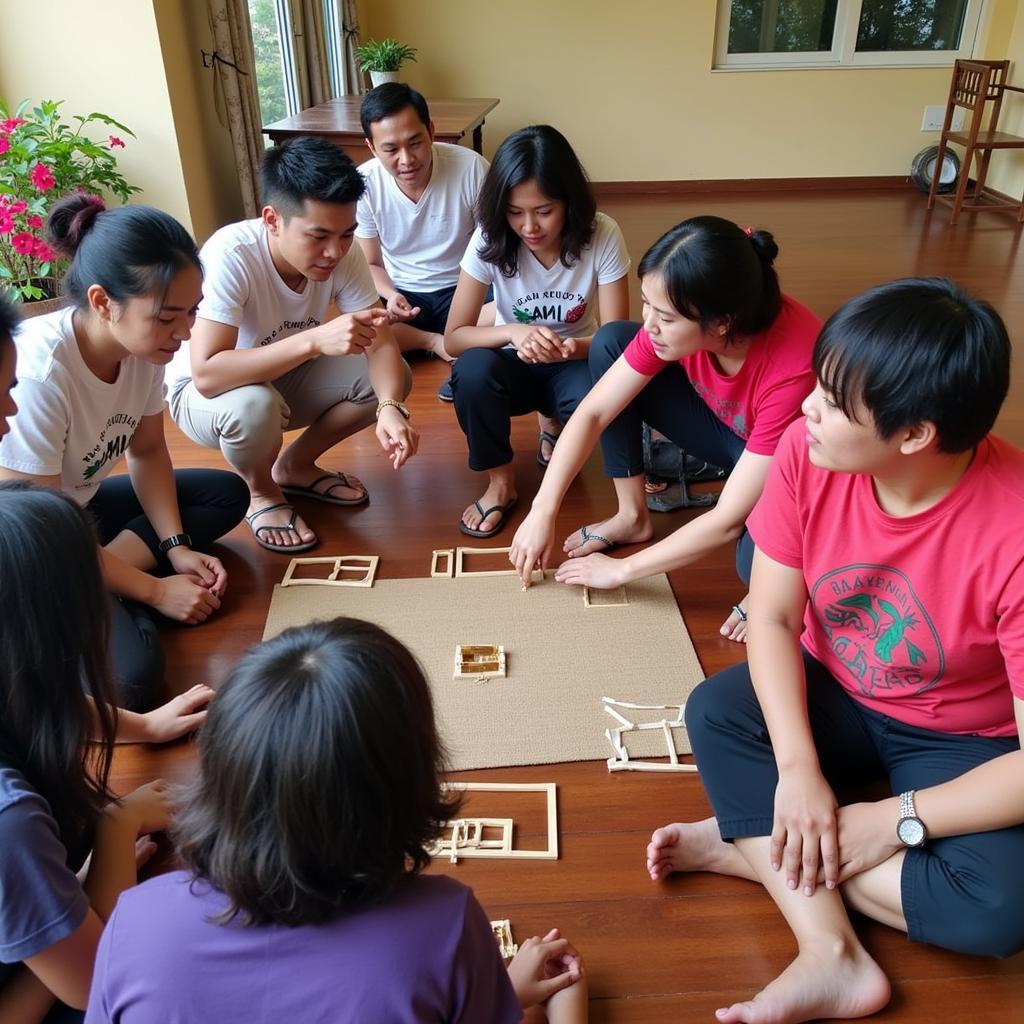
[[382, 405], [910, 829], [178, 540]]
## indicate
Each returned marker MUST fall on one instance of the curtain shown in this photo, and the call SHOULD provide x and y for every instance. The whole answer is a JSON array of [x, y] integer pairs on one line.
[[354, 79], [310, 35], [235, 95]]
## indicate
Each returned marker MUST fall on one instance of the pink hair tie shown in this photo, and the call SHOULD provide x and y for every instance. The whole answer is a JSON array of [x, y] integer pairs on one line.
[[749, 232]]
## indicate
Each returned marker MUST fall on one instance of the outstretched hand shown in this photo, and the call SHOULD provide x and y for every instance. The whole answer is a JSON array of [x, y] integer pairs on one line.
[[543, 967], [179, 716], [531, 545], [596, 571]]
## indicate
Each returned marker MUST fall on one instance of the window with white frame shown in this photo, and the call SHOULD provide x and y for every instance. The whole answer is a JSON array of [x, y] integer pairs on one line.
[[844, 33]]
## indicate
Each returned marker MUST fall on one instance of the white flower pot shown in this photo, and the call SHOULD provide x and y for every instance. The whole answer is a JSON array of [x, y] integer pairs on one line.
[[380, 77]]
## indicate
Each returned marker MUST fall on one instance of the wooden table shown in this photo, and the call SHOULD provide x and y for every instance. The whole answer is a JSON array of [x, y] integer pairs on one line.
[[338, 120]]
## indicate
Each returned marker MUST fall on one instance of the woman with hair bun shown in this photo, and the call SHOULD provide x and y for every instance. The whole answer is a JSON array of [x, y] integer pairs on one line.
[[91, 389], [719, 367]]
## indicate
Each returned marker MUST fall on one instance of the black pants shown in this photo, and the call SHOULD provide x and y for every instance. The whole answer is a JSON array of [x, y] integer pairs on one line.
[[671, 405], [964, 893], [492, 385], [211, 502]]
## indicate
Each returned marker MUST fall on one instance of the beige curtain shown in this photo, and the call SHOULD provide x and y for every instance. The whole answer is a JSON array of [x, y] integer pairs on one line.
[[355, 80], [311, 70], [235, 95]]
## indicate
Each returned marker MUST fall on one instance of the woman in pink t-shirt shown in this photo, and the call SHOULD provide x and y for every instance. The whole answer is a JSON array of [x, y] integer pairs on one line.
[[720, 367]]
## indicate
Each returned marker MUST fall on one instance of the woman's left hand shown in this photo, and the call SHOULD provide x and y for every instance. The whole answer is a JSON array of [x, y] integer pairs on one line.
[[867, 836], [205, 570], [596, 570]]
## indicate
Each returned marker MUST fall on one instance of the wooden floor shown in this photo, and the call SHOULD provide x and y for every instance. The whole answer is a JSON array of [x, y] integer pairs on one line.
[[674, 951]]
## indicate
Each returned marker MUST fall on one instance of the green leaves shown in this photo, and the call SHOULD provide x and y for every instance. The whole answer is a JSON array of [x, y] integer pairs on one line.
[[42, 159], [386, 55]]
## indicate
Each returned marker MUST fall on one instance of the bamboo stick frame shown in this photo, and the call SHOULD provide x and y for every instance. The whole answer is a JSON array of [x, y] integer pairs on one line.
[[621, 762], [619, 590], [365, 564], [550, 852], [461, 572], [448, 554], [468, 665], [503, 934]]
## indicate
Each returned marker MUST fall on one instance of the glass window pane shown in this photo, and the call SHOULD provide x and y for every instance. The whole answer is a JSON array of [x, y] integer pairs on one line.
[[781, 26], [911, 24], [266, 40]]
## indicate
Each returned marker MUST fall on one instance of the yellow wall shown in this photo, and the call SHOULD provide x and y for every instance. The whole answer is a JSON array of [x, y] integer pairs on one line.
[[1006, 172], [111, 62], [631, 86]]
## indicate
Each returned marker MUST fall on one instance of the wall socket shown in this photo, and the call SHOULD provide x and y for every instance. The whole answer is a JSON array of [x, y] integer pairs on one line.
[[935, 116]]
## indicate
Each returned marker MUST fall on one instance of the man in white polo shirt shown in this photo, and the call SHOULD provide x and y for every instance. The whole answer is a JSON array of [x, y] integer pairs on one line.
[[416, 216]]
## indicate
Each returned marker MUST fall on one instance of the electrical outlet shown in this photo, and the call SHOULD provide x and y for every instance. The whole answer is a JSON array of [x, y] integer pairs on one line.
[[935, 116]]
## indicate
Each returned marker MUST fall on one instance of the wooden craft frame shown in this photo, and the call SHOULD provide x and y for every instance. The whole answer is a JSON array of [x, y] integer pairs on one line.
[[462, 573], [621, 761], [507, 946], [368, 568], [494, 655], [587, 603], [449, 555], [468, 834], [549, 853]]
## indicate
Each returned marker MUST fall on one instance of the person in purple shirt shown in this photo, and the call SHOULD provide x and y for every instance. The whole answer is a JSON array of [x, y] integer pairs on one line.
[[304, 836]]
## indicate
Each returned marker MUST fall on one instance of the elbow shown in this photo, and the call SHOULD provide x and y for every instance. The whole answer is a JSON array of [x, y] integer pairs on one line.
[[452, 345], [731, 532], [203, 384]]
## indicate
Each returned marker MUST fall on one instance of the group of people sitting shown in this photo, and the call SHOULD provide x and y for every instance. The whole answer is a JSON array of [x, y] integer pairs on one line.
[[873, 513]]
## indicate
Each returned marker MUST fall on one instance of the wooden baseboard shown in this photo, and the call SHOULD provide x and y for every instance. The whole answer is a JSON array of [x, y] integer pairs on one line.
[[892, 182]]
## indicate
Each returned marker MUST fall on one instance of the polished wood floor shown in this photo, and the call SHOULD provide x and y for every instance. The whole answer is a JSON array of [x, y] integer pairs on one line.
[[674, 951]]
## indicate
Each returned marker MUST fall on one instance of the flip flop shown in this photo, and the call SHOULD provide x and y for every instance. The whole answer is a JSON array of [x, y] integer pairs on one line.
[[587, 535], [289, 527], [503, 509], [340, 480], [552, 439]]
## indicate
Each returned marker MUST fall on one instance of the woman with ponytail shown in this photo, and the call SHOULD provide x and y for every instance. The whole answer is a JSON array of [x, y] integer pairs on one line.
[[719, 367], [91, 389]]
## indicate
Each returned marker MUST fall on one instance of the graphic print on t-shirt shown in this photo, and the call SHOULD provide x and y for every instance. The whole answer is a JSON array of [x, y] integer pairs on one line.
[[878, 629], [726, 409], [550, 307], [111, 445]]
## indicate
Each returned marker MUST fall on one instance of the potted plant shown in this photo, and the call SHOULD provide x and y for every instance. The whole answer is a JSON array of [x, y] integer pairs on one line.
[[43, 158], [383, 59]]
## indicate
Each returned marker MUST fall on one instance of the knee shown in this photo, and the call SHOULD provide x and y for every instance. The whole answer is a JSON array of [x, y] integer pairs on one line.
[[406, 379], [704, 709], [608, 344], [256, 410], [139, 669], [474, 371]]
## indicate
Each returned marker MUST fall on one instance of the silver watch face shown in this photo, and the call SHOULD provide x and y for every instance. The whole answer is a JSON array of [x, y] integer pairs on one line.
[[910, 831]]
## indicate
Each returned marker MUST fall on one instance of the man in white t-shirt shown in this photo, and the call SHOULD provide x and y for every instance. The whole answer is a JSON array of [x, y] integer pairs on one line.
[[416, 216], [264, 357]]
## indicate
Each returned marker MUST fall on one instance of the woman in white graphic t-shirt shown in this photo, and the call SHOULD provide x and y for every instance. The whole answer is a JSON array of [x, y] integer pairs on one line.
[[558, 269], [91, 392]]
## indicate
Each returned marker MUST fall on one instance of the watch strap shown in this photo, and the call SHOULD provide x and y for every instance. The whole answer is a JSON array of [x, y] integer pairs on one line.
[[177, 540]]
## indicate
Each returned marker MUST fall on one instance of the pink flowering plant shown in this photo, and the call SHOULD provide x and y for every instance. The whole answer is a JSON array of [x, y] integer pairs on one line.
[[42, 159]]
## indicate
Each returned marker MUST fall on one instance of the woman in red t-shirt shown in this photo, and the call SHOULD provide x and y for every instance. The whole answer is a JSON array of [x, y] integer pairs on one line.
[[720, 367]]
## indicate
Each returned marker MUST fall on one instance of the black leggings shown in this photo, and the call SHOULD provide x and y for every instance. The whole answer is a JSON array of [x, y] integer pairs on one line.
[[212, 502], [964, 893], [670, 405]]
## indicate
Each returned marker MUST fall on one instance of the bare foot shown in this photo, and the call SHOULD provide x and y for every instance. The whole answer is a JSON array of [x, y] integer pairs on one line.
[[299, 534], [620, 529], [821, 982], [694, 846], [498, 493], [735, 626]]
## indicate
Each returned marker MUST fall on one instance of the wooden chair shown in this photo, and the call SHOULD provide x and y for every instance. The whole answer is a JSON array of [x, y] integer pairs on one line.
[[977, 84]]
